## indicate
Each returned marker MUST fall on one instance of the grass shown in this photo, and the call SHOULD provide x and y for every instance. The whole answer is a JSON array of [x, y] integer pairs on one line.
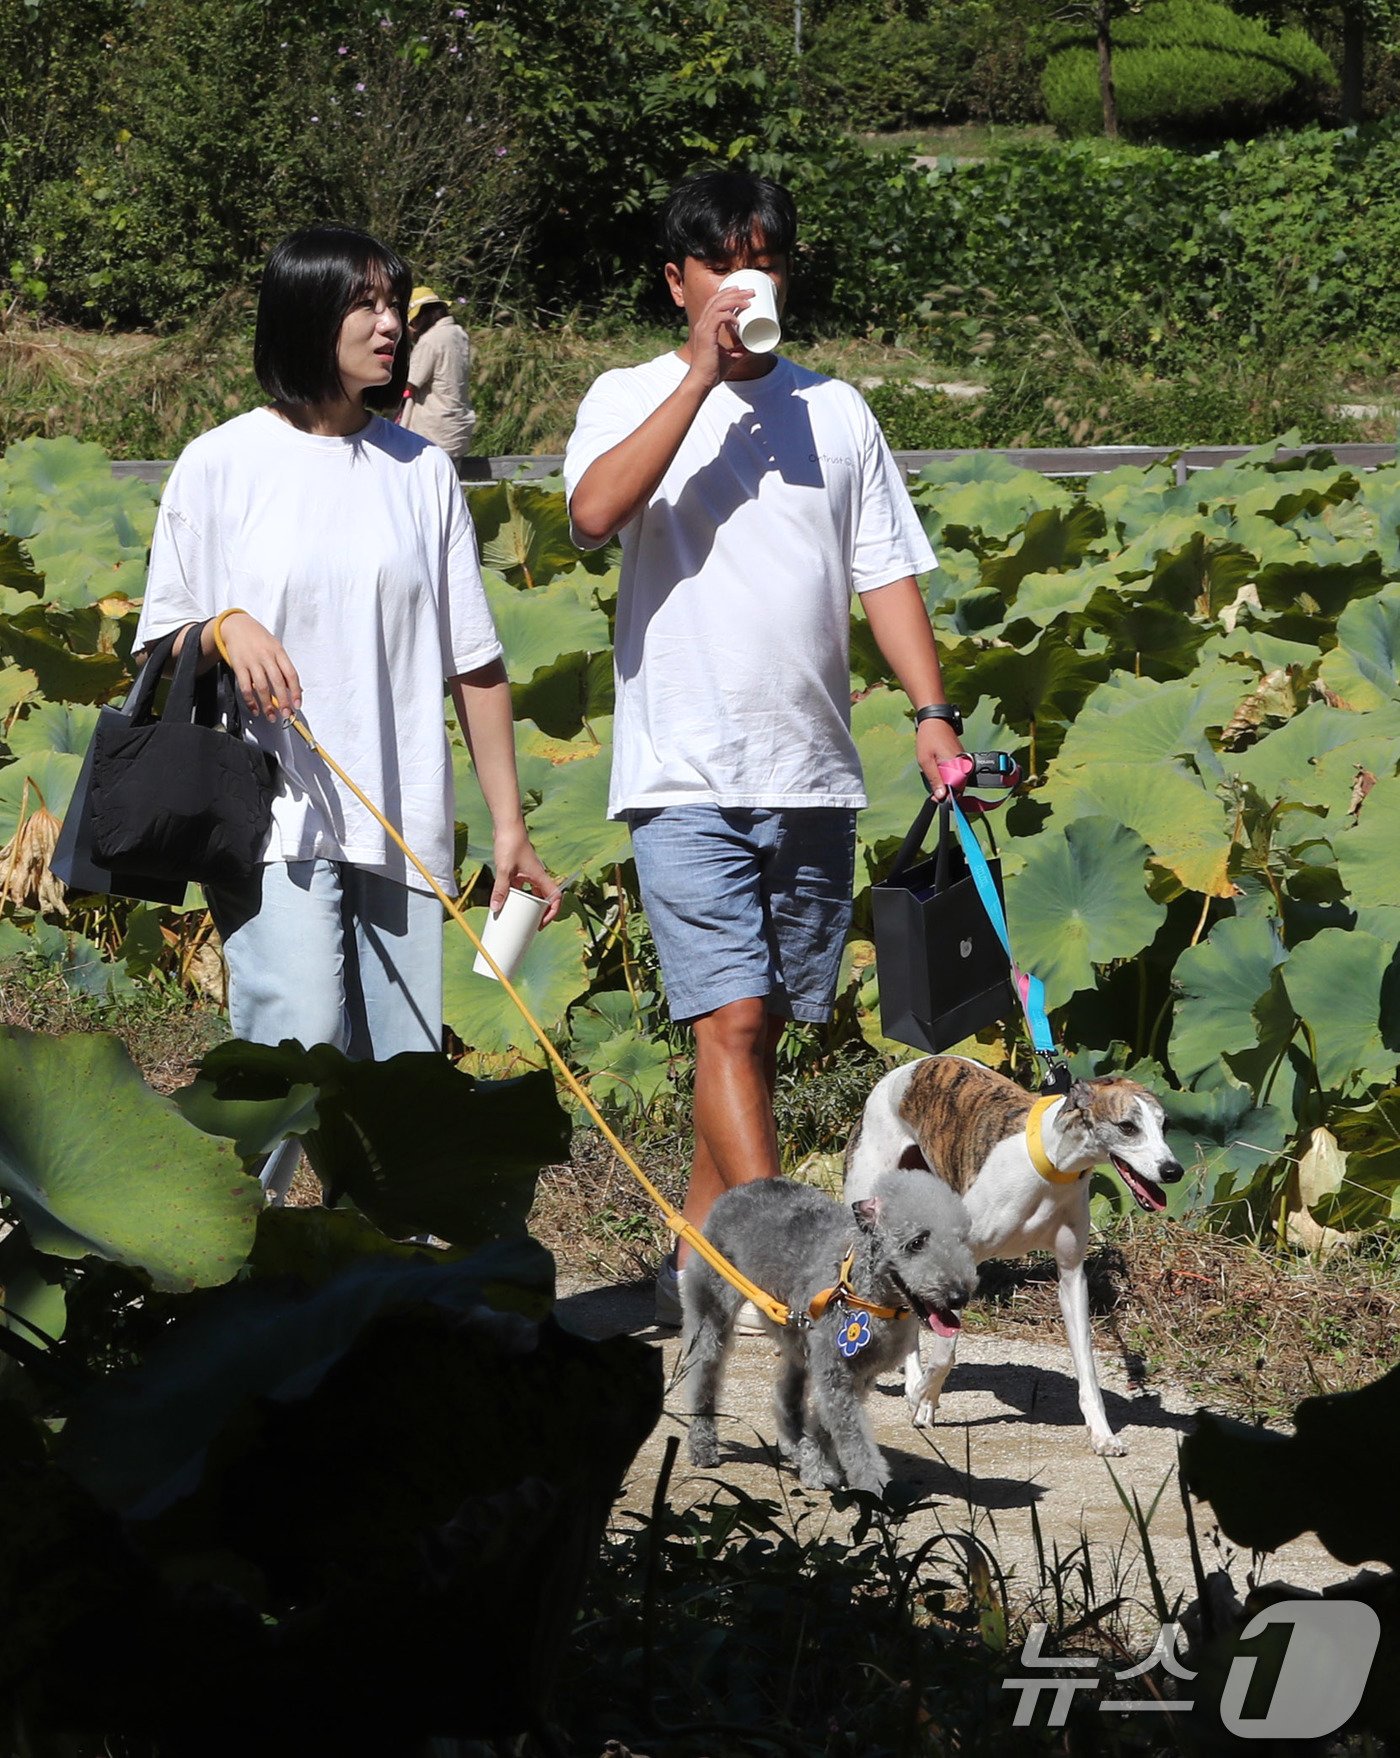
[[146, 396], [962, 141]]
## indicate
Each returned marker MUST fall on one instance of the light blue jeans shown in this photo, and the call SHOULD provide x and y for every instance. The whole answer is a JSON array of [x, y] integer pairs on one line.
[[327, 953]]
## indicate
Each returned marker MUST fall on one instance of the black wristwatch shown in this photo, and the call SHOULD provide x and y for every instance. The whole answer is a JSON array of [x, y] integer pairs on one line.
[[940, 711]]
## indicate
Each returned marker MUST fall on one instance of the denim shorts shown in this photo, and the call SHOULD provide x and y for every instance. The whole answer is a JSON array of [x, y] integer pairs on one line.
[[747, 902]]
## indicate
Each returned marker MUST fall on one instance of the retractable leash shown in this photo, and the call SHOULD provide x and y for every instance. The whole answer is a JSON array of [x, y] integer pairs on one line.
[[996, 769]]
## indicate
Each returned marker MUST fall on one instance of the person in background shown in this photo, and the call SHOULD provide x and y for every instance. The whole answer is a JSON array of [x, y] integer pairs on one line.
[[752, 498], [437, 400]]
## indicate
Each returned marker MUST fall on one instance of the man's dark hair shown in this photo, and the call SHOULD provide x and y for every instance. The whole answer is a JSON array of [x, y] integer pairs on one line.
[[718, 212], [312, 281]]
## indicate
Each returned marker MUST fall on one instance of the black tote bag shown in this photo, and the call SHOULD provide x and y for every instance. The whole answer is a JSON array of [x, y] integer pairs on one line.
[[73, 860], [185, 797], [943, 970]]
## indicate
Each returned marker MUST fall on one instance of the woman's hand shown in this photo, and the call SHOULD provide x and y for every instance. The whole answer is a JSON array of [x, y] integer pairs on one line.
[[266, 678], [517, 864]]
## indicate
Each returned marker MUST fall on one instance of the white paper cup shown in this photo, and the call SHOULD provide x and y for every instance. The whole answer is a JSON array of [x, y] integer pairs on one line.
[[757, 324], [508, 935]]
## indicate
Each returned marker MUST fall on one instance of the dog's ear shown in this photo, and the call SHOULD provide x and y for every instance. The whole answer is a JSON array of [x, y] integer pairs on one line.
[[1080, 1098], [867, 1213]]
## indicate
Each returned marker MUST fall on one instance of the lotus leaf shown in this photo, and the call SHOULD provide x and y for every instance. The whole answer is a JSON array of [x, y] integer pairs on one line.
[[33, 640], [53, 726], [16, 688], [1080, 902], [32, 1296], [1136, 720], [1054, 538], [18, 574], [1182, 824], [94, 1162], [1368, 852], [1051, 679], [552, 977], [573, 693], [1133, 500], [138, 1439], [523, 532], [626, 1066], [539, 628], [993, 511], [417, 1145], [1346, 985], [44, 777], [1363, 669], [1369, 1140], [1222, 982], [1332, 1476], [570, 827], [1220, 1134], [1282, 764]]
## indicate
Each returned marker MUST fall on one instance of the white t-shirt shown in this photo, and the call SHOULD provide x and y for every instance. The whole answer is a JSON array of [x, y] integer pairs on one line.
[[732, 658], [359, 555]]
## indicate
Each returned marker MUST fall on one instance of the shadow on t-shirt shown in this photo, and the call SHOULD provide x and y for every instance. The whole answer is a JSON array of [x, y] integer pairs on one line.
[[772, 434]]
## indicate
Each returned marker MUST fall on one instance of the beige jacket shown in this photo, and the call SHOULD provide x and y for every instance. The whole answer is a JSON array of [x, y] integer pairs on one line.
[[438, 369]]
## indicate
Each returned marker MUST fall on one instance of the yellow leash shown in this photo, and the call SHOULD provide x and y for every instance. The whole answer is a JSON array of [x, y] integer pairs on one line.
[[683, 1229]]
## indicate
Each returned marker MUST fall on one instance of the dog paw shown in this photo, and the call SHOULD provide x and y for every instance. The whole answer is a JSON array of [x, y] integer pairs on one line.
[[703, 1448], [922, 1414], [1108, 1446], [816, 1470]]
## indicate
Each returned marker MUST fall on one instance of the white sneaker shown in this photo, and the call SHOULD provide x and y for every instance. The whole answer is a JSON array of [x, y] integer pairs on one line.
[[750, 1322]]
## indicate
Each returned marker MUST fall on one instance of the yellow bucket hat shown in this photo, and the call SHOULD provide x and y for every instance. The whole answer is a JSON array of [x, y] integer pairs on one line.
[[419, 297]]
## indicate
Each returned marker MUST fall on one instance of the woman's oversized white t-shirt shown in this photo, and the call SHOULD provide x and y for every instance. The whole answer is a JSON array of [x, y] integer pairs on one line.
[[732, 658], [359, 555]]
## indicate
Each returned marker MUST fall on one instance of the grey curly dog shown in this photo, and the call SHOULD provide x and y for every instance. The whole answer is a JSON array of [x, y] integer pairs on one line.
[[911, 1253]]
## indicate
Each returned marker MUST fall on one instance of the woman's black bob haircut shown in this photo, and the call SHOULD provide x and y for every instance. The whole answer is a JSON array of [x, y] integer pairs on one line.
[[717, 213], [312, 281]]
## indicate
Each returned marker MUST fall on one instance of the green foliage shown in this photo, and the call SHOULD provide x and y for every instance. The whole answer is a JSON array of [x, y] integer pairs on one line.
[[143, 1411], [1195, 677], [1188, 67], [889, 64]]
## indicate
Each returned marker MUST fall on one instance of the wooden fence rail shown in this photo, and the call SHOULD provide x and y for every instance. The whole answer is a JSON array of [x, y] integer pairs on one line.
[[1048, 460]]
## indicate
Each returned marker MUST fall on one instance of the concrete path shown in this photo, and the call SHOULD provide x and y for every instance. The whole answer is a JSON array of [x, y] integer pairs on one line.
[[1009, 1439]]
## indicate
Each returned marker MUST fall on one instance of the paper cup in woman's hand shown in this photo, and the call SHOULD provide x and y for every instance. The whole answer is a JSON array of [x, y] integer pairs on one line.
[[509, 932]]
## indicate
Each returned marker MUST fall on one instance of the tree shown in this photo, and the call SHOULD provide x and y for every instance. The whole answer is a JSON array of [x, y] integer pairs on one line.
[[1101, 13], [1358, 22]]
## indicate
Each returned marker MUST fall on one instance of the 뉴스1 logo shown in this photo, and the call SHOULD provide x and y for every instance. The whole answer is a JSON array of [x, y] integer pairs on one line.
[[1318, 1677], [965, 948]]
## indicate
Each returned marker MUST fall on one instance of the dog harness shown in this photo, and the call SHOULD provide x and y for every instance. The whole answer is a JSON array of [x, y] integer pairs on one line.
[[1035, 1145]]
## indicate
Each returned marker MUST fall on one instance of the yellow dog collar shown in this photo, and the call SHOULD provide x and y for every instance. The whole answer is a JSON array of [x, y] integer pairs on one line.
[[1035, 1144]]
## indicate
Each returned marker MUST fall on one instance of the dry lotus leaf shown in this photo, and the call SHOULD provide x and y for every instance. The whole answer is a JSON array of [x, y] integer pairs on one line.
[[26, 879], [1319, 1173]]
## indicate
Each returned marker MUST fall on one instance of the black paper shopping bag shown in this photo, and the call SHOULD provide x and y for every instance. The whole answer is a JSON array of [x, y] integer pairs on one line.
[[943, 970]]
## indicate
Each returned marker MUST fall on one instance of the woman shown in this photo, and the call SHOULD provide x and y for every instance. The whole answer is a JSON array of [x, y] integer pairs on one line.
[[337, 555]]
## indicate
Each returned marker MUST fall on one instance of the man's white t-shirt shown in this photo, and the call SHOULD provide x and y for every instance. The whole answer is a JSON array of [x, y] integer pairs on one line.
[[359, 555], [732, 659]]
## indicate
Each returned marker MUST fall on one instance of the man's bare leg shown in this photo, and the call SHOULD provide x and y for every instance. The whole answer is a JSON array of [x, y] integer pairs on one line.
[[736, 1069]]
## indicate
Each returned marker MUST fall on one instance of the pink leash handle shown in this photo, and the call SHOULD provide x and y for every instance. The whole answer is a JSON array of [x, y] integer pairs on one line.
[[985, 769]]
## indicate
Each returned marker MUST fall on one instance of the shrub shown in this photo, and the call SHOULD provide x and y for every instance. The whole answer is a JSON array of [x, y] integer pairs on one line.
[[916, 419], [885, 70], [1187, 67]]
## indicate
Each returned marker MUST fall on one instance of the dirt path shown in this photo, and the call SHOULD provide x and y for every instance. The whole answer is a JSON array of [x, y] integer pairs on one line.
[[1009, 1438]]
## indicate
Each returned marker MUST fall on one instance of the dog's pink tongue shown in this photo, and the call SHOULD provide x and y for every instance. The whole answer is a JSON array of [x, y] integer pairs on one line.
[[946, 1324]]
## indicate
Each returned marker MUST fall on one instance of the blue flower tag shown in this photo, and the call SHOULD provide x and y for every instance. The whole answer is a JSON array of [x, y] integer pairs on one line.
[[853, 1333]]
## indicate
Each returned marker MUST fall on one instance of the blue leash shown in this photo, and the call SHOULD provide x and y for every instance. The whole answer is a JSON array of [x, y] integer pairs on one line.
[[1028, 987]]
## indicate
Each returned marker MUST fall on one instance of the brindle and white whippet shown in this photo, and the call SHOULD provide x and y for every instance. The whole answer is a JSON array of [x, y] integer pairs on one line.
[[1021, 1165]]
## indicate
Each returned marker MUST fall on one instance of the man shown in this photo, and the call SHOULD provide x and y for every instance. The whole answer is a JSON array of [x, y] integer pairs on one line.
[[752, 498], [437, 402]]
